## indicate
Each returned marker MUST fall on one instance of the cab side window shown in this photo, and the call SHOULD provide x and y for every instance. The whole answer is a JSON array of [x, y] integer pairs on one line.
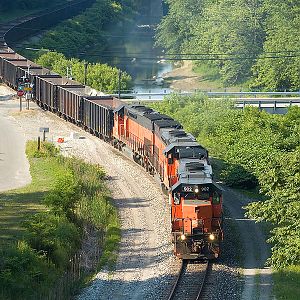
[[176, 198], [216, 198]]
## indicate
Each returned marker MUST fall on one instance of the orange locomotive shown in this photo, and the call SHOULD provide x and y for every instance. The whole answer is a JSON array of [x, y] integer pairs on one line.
[[161, 145]]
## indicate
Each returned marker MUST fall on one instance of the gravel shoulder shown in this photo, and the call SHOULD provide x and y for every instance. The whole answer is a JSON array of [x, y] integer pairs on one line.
[[146, 267]]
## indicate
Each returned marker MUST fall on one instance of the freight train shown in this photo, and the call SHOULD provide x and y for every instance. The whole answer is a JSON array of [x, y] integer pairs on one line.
[[156, 141]]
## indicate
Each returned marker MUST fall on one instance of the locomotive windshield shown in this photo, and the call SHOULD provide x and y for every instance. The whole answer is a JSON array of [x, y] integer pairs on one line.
[[198, 196]]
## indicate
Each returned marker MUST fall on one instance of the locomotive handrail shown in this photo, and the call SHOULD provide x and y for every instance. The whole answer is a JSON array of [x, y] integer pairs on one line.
[[202, 220]]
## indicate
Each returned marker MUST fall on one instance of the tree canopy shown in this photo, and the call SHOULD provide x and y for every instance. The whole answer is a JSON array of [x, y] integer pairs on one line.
[[248, 40], [99, 76]]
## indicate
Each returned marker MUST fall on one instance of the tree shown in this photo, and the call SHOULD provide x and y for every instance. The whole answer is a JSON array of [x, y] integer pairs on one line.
[[283, 40], [99, 76]]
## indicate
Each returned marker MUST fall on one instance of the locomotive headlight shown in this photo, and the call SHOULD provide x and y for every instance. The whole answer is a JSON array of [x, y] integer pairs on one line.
[[196, 190], [183, 237], [211, 237]]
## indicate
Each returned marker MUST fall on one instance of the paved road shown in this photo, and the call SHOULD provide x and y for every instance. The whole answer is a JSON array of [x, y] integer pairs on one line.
[[14, 166]]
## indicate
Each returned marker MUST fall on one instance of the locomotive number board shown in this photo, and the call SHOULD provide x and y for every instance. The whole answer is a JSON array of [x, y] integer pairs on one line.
[[195, 188]]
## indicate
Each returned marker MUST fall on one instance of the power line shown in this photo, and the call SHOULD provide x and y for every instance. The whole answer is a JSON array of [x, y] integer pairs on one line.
[[163, 55], [194, 58]]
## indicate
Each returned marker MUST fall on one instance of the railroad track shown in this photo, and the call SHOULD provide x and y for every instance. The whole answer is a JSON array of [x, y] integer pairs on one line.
[[190, 281]]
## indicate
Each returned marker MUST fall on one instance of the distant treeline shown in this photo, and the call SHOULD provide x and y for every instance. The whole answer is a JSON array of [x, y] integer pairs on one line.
[[253, 41]]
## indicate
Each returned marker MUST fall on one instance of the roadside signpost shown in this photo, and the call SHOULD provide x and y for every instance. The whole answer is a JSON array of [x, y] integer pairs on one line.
[[20, 93], [44, 130], [24, 88]]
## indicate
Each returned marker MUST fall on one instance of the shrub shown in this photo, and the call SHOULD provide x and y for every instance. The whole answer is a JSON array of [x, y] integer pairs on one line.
[[65, 194], [24, 272], [53, 235]]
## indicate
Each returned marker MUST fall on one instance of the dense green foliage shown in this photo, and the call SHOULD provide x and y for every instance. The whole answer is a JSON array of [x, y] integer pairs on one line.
[[23, 272], [243, 39], [30, 268], [287, 283], [99, 76], [256, 149], [282, 36], [76, 35]]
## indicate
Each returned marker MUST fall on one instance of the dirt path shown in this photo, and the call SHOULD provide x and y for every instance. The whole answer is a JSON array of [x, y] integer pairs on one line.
[[183, 78]]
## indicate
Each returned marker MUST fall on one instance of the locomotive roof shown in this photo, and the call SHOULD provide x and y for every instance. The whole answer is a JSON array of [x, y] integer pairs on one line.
[[139, 109], [149, 118], [171, 135], [193, 171], [168, 123], [194, 168]]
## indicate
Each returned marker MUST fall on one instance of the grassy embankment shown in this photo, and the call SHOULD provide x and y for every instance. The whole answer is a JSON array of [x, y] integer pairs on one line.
[[211, 80], [42, 227]]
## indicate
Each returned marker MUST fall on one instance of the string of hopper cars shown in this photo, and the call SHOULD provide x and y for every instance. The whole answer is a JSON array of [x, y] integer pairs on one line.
[[155, 141]]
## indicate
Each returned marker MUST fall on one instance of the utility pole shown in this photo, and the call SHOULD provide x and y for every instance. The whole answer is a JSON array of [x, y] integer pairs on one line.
[[120, 76], [85, 72], [28, 67]]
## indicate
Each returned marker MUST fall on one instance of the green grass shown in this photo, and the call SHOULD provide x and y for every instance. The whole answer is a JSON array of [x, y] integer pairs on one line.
[[17, 205], [211, 79], [287, 283], [94, 209]]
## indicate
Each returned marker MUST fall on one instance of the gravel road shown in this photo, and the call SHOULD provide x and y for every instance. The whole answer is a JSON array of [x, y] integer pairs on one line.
[[146, 267]]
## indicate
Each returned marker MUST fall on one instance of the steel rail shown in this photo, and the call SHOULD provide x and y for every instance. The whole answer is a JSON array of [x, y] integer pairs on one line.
[[176, 281], [182, 272], [200, 294]]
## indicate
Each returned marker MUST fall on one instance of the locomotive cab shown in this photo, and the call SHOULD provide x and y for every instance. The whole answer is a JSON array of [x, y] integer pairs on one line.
[[196, 203]]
